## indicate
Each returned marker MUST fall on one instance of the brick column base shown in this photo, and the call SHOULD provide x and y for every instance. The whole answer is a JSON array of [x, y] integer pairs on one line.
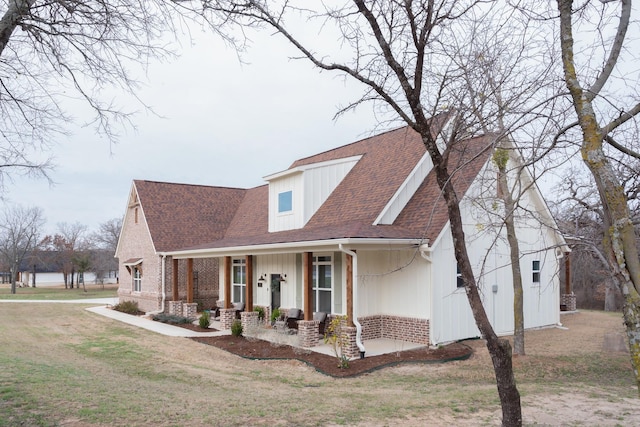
[[249, 320], [568, 302], [175, 308], [351, 350], [190, 310], [227, 316], [308, 332]]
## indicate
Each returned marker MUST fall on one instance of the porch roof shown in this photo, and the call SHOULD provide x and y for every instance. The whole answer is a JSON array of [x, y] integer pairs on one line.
[[321, 238]]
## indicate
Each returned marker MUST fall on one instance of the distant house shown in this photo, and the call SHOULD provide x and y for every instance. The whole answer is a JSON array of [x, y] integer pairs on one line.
[[360, 230]]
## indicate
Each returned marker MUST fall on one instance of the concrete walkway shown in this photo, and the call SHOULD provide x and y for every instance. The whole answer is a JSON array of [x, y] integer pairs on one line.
[[373, 347], [152, 325]]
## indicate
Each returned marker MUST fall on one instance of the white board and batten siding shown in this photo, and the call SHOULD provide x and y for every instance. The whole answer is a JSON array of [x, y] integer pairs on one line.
[[393, 282], [310, 186], [277, 264], [489, 256]]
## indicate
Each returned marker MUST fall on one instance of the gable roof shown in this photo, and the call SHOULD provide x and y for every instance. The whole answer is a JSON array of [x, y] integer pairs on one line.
[[426, 213], [182, 215], [350, 211]]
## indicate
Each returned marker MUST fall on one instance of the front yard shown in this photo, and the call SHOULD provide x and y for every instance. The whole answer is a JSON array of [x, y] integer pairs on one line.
[[63, 365]]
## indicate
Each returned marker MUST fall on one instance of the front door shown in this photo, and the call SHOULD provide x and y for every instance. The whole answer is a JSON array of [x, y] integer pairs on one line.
[[275, 291]]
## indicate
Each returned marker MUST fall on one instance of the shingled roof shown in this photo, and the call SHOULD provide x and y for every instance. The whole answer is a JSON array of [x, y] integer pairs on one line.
[[426, 213], [182, 215], [350, 211]]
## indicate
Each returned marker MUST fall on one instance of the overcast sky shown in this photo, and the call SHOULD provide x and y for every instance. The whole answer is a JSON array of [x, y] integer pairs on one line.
[[224, 123]]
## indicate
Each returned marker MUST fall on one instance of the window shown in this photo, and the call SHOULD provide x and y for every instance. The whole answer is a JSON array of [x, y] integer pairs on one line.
[[285, 202], [535, 271], [459, 281], [238, 279], [137, 278], [322, 283]]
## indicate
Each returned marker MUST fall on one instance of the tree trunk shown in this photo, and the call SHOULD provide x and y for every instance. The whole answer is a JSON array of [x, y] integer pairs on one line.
[[499, 349], [501, 157], [16, 10], [619, 238], [14, 277], [610, 300]]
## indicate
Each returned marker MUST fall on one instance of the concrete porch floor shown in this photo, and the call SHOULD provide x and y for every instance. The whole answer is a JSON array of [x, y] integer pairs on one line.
[[372, 347]]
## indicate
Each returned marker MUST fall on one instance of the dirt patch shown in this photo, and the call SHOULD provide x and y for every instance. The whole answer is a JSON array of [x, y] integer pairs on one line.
[[251, 348]]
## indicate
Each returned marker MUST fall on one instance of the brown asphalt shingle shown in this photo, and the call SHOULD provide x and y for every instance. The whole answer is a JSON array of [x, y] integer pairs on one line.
[[181, 215], [199, 217]]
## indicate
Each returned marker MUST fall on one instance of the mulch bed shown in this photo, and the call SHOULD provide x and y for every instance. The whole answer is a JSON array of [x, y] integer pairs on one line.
[[194, 327], [263, 350]]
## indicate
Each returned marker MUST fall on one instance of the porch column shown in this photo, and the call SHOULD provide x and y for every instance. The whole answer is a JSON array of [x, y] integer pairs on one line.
[[189, 280], [227, 282], [349, 260], [174, 289], [307, 285], [567, 272], [248, 298]]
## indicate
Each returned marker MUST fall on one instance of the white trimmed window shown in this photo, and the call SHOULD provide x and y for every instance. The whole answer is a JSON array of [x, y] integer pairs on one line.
[[238, 279], [322, 283], [535, 272], [285, 201], [459, 281], [137, 278]]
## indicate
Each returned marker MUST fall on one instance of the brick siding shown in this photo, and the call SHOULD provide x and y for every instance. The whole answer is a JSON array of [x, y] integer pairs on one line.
[[395, 327]]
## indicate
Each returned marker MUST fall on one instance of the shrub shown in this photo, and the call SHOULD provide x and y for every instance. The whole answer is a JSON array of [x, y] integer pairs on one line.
[[338, 340], [171, 319], [129, 307], [275, 315], [260, 311], [236, 328], [205, 320]]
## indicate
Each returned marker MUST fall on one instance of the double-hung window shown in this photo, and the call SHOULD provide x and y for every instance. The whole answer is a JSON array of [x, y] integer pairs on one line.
[[239, 279], [137, 278], [322, 283], [535, 272]]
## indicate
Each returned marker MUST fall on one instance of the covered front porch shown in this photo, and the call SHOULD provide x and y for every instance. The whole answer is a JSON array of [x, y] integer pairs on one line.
[[322, 281]]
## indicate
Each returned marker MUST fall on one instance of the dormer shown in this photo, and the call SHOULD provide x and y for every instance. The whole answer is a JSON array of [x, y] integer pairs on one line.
[[297, 193]]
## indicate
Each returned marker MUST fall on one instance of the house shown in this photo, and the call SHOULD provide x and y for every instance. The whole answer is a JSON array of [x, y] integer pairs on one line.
[[360, 230]]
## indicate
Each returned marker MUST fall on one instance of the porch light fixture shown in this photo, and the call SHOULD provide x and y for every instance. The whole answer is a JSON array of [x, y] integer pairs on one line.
[[261, 279], [282, 278]]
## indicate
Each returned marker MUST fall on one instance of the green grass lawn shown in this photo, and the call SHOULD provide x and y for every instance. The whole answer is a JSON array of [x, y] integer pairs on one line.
[[59, 292]]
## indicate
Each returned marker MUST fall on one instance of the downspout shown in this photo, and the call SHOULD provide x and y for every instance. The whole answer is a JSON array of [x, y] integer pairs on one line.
[[355, 300], [162, 280], [424, 248]]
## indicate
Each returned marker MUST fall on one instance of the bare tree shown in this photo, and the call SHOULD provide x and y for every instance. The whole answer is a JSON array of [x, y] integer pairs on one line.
[[73, 242], [82, 261], [104, 243], [604, 128], [19, 229], [80, 50], [397, 51], [581, 217], [108, 234]]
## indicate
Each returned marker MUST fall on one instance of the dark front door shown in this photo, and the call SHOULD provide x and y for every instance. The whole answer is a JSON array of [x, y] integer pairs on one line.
[[275, 291]]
